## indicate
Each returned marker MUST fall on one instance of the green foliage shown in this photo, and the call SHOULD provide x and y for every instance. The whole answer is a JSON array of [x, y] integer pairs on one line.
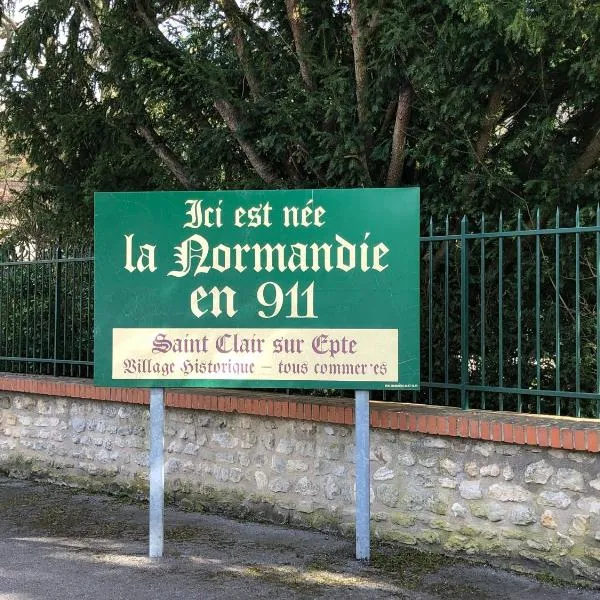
[[79, 78]]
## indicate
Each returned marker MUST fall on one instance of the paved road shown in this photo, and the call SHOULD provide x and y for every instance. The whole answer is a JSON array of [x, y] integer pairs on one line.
[[56, 544]]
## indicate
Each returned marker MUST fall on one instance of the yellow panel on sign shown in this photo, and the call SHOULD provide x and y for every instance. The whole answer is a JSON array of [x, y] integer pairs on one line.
[[256, 354]]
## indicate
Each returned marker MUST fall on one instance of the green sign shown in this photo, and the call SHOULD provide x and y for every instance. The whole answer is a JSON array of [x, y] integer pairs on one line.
[[300, 288]]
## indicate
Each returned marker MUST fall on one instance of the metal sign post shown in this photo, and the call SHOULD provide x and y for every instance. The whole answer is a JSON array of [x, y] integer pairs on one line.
[[157, 472], [363, 483]]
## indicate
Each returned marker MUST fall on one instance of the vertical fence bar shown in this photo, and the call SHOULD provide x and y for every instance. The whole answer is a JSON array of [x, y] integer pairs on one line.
[[500, 311], [71, 329], [577, 315], [2, 318], [27, 321], [430, 312], [519, 317], [482, 307], [19, 309], [557, 309], [80, 317], [57, 301], [446, 310], [598, 311], [12, 314], [464, 315], [90, 280], [538, 283]]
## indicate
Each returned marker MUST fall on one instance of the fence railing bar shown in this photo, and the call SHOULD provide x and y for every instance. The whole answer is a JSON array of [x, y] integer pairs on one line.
[[58, 361], [464, 315], [510, 390], [500, 311], [446, 311], [598, 313], [482, 311], [519, 316], [557, 312], [430, 310], [45, 261], [577, 315], [538, 280], [510, 233]]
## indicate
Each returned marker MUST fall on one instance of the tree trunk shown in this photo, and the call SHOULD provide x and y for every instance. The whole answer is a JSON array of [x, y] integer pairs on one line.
[[394, 175]]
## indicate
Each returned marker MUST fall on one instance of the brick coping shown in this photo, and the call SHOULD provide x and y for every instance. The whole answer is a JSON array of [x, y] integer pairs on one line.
[[567, 433]]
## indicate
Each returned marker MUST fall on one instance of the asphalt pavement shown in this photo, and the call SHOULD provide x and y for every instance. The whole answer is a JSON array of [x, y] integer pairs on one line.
[[57, 544]]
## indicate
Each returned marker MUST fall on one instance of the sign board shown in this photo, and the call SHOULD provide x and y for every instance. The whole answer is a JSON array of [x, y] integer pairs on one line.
[[298, 288]]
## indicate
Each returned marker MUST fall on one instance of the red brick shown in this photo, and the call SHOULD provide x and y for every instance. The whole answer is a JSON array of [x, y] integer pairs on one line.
[[566, 439], [496, 432], [542, 436], [474, 429], [485, 431], [375, 418], [307, 408], [323, 413], [331, 413], [422, 423], [292, 410], [315, 409], [442, 425], [412, 422], [463, 427], [403, 421], [277, 409], [579, 440], [452, 425], [348, 416], [555, 437], [531, 435], [519, 434], [432, 424], [593, 441], [285, 409], [386, 419], [394, 420], [269, 407], [340, 415], [221, 404], [507, 433]]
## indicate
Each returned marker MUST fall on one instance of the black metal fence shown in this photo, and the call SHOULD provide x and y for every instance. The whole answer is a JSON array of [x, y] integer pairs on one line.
[[46, 311], [510, 314]]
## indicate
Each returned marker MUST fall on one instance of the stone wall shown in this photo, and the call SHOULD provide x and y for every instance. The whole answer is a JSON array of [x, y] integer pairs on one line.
[[523, 506]]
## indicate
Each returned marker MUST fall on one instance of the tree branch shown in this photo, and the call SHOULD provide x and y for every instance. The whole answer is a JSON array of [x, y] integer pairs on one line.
[[490, 119], [89, 14], [234, 17], [232, 119], [489, 122], [588, 158], [298, 31], [167, 156], [360, 75], [394, 175], [360, 61]]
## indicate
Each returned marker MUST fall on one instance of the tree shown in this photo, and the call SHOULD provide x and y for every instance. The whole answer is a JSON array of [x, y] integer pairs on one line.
[[484, 105]]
